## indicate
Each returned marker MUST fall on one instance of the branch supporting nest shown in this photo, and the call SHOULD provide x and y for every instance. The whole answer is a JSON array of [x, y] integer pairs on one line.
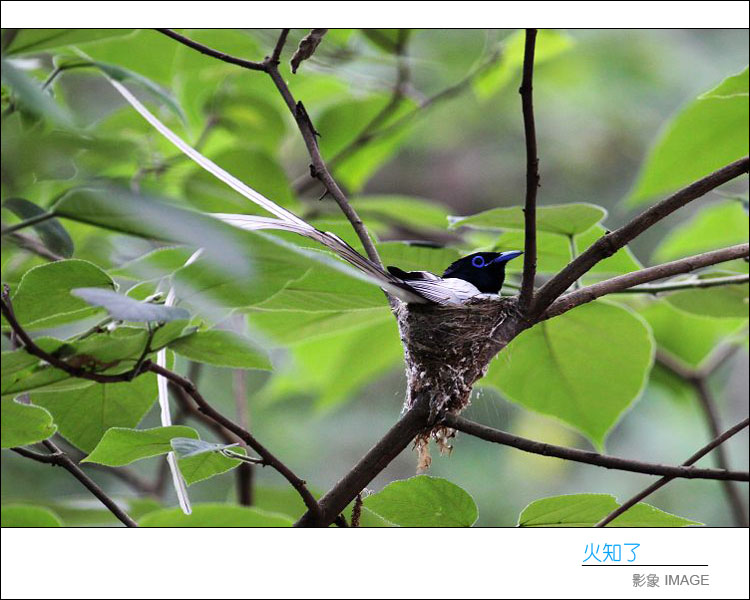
[[446, 350]]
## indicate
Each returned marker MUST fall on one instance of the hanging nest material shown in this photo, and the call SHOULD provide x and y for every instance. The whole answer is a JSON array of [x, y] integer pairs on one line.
[[446, 350]]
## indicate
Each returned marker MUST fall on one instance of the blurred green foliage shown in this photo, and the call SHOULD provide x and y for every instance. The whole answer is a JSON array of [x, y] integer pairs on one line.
[[416, 126]]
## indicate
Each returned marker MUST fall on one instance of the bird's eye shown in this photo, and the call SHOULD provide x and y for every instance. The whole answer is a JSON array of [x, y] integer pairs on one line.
[[477, 261]]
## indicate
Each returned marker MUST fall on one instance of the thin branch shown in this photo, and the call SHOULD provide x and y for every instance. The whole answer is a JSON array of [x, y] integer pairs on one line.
[[629, 280], [716, 442], [268, 458], [279, 46], [689, 284], [610, 243], [698, 380], [34, 246], [584, 456], [532, 173], [60, 459], [240, 62], [28, 222]]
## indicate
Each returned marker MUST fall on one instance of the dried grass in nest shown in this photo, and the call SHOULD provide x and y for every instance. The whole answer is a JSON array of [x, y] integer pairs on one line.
[[446, 350]]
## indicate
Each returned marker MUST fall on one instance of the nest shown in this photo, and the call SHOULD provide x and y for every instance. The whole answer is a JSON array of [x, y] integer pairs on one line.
[[446, 350]]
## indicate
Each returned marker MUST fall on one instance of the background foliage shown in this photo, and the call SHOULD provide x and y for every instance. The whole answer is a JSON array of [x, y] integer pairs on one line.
[[623, 117]]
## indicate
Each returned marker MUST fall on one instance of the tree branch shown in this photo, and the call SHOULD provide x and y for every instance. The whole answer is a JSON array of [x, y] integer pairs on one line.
[[716, 442], [584, 456], [690, 284], [532, 173], [60, 459], [629, 280], [240, 62], [698, 380], [610, 243], [378, 458]]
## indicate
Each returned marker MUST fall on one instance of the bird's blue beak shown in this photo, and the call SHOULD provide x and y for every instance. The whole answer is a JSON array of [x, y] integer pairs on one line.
[[506, 256]]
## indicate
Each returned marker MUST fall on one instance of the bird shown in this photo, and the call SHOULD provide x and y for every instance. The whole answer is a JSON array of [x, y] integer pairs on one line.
[[471, 276]]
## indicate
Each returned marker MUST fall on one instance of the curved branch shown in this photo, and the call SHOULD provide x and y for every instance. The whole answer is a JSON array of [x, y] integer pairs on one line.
[[584, 456], [228, 58], [665, 480], [623, 282], [532, 173], [60, 459], [610, 243], [690, 284]]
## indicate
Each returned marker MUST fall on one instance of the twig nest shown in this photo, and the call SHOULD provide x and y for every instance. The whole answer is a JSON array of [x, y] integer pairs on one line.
[[446, 350]]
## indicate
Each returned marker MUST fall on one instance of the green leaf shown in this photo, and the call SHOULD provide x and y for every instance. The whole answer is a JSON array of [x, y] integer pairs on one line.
[[714, 226], [42, 298], [691, 338], [31, 96], [340, 124], [703, 136], [189, 447], [119, 73], [385, 39], [83, 416], [725, 301], [26, 41], [595, 360], [24, 424], [585, 510], [216, 515], [330, 369], [24, 515], [120, 446], [204, 461], [124, 308], [563, 219], [221, 348], [549, 44], [424, 501], [417, 213], [413, 257], [51, 232]]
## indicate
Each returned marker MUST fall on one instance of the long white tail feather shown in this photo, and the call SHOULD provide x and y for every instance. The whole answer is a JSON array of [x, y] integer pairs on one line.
[[287, 221]]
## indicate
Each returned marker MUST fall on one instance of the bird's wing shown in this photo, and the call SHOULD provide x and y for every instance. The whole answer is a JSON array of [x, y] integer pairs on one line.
[[286, 221], [448, 292], [411, 275]]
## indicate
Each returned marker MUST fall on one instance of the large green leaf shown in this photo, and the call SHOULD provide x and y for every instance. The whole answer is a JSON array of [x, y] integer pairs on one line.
[[332, 368], [24, 515], [622, 261], [216, 515], [564, 219], [594, 359], [221, 348], [703, 136], [43, 299], [424, 501], [25, 41], [549, 44], [120, 446], [691, 338], [24, 424], [83, 416], [585, 510], [714, 226]]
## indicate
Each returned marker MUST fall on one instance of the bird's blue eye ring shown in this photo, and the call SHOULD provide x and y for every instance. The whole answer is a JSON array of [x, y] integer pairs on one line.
[[477, 261]]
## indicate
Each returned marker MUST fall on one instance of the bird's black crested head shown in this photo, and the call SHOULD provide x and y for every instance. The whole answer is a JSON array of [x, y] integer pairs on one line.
[[485, 270]]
